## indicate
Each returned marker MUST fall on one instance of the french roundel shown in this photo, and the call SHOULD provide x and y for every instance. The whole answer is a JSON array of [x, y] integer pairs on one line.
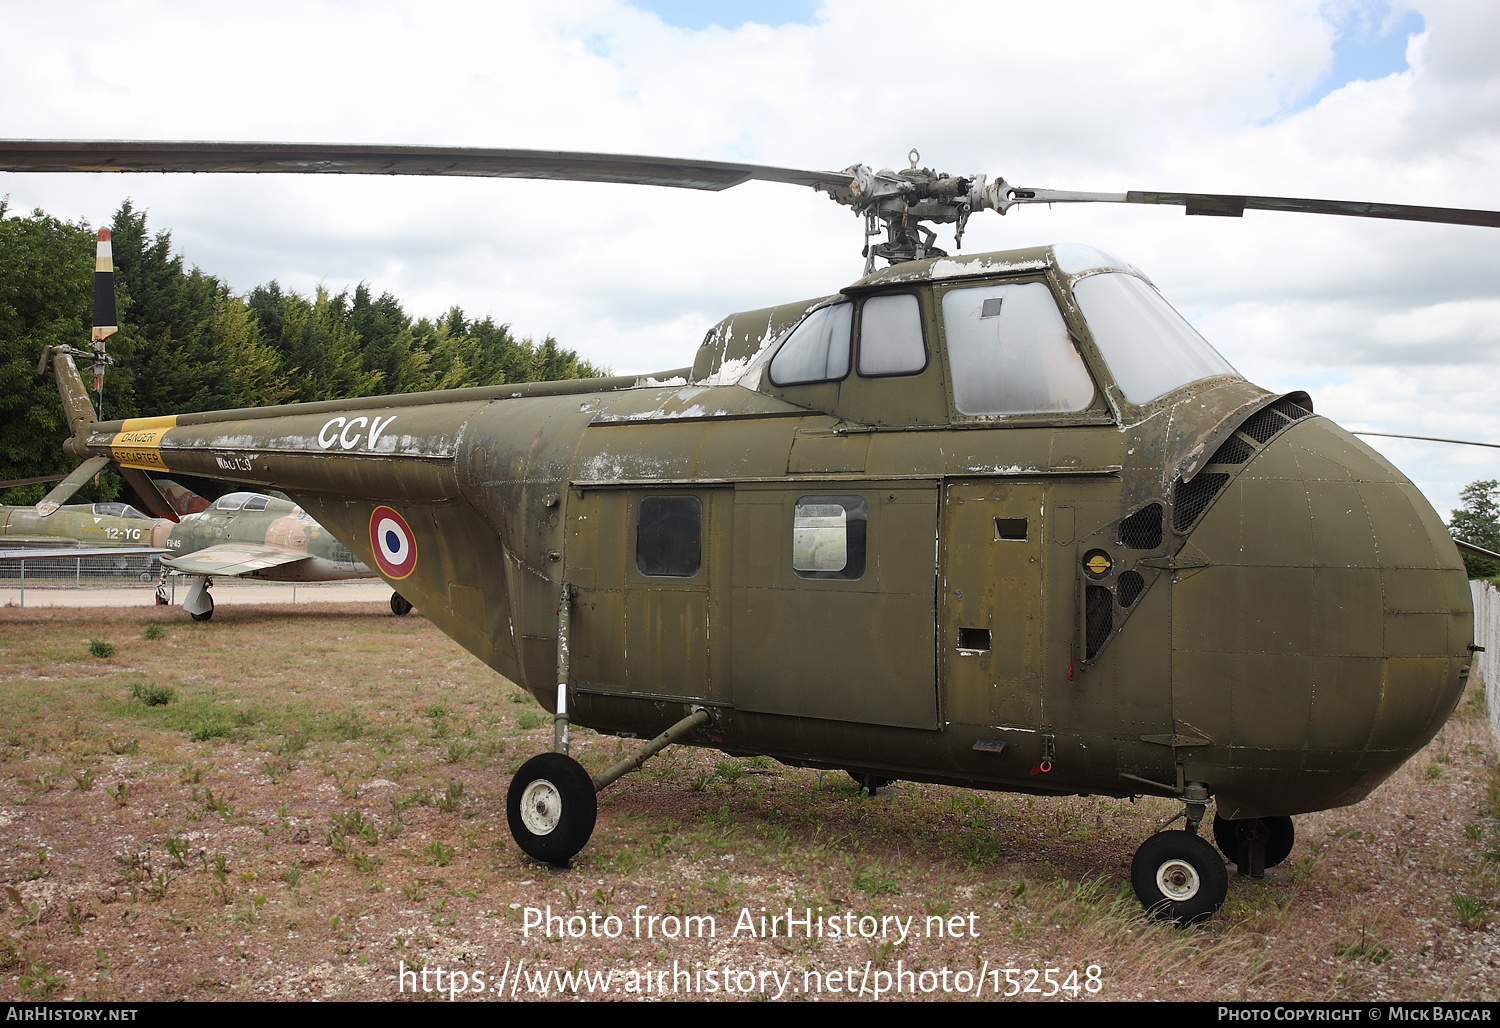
[[395, 546]]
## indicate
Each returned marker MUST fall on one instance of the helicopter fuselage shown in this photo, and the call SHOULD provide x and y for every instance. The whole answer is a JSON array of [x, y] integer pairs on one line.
[[859, 545]]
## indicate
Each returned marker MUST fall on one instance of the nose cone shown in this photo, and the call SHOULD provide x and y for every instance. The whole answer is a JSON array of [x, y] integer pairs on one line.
[[1321, 625]]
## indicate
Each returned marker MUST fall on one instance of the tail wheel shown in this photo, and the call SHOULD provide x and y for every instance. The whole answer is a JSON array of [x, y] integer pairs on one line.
[[551, 807], [400, 605], [1278, 833], [1179, 877]]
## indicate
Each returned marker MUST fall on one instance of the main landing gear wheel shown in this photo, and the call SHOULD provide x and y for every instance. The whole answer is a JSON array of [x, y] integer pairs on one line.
[[872, 783], [205, 615], [400, 605], [551, 806], [1179, 877], [1236, 836]]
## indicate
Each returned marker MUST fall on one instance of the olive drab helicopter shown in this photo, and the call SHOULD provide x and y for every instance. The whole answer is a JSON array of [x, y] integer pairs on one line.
[[1002, 521]]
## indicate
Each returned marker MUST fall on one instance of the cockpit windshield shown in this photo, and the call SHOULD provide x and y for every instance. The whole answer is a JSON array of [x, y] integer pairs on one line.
[[119, 510], [1149, 347], [232, 501]]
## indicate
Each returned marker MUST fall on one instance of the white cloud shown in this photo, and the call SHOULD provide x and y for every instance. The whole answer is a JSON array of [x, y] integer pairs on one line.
[[1391, 323]]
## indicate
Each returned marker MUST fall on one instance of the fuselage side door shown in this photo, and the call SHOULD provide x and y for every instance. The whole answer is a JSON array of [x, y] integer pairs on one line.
[[647, 569], [833, 603], [991, 649]]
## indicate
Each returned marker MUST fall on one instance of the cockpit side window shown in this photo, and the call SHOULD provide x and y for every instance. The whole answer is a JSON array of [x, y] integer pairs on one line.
[[1010, 352], [890, 336], [817, 350], [1149, 347]]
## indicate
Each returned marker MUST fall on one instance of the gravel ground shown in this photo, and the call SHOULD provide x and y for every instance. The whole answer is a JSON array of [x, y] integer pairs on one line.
[[336, 829]]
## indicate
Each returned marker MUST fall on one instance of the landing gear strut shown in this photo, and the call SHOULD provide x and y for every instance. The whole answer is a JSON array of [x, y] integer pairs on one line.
[[198, 602], [1178, 876], [552, 801]]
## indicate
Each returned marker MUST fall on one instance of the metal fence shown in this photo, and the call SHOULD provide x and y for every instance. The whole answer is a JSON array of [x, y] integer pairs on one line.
[[1487, 634], [108, 570]]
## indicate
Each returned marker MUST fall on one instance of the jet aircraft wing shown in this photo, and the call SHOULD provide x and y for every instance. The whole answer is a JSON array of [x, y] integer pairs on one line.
[[36, 553], [226, 560]]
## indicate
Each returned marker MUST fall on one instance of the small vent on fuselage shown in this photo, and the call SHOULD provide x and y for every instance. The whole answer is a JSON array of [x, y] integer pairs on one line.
[[1142, 530], [1130, 583], [1099, 619]]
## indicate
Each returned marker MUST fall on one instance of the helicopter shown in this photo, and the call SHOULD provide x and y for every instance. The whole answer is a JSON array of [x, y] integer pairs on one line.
[[1003, 521]]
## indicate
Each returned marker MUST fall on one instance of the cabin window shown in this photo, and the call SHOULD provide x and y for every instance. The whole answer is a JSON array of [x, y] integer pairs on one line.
[[890, 336], [817, 350], [1149, 347], [256, 503], [1010, 352], [669, 536], [828, 537]]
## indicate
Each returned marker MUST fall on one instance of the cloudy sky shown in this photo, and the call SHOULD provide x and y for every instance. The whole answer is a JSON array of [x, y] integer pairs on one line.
[[1392, 327]]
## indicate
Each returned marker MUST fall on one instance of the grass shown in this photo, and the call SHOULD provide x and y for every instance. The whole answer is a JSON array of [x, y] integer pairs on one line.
[[326, 796]]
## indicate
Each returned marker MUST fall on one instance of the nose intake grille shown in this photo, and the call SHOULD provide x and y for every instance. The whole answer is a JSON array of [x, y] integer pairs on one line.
[[1142, 530], [1194, 497], [1099, 619], [1191, 499]]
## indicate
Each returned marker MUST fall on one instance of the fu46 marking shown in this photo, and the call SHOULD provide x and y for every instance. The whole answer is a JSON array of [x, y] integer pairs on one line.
[[346, 432]]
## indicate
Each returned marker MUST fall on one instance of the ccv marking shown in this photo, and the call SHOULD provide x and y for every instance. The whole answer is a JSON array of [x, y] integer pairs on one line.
[[346, 431]]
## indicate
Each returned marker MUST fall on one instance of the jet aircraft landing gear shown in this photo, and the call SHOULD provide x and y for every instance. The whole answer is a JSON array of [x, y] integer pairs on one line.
[[1178, 876], [198, 602]]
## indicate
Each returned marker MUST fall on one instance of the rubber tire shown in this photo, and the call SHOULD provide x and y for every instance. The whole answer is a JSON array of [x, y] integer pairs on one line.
[[573, 789], [1186, 851], [873, 783], [207, 613], [400, 605], [1281, 837]]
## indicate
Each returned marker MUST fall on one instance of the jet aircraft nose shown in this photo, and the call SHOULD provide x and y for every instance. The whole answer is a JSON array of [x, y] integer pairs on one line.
[[1321, 622]]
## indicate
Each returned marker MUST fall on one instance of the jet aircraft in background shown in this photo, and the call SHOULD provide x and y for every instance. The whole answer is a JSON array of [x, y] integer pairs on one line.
[[240, 535]]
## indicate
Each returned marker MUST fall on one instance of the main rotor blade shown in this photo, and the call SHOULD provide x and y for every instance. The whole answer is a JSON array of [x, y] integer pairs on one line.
[[1475, 551], [32, 481], [1224, 205], [1429, 439], [47, 155], [70, 485], [151, 495]]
